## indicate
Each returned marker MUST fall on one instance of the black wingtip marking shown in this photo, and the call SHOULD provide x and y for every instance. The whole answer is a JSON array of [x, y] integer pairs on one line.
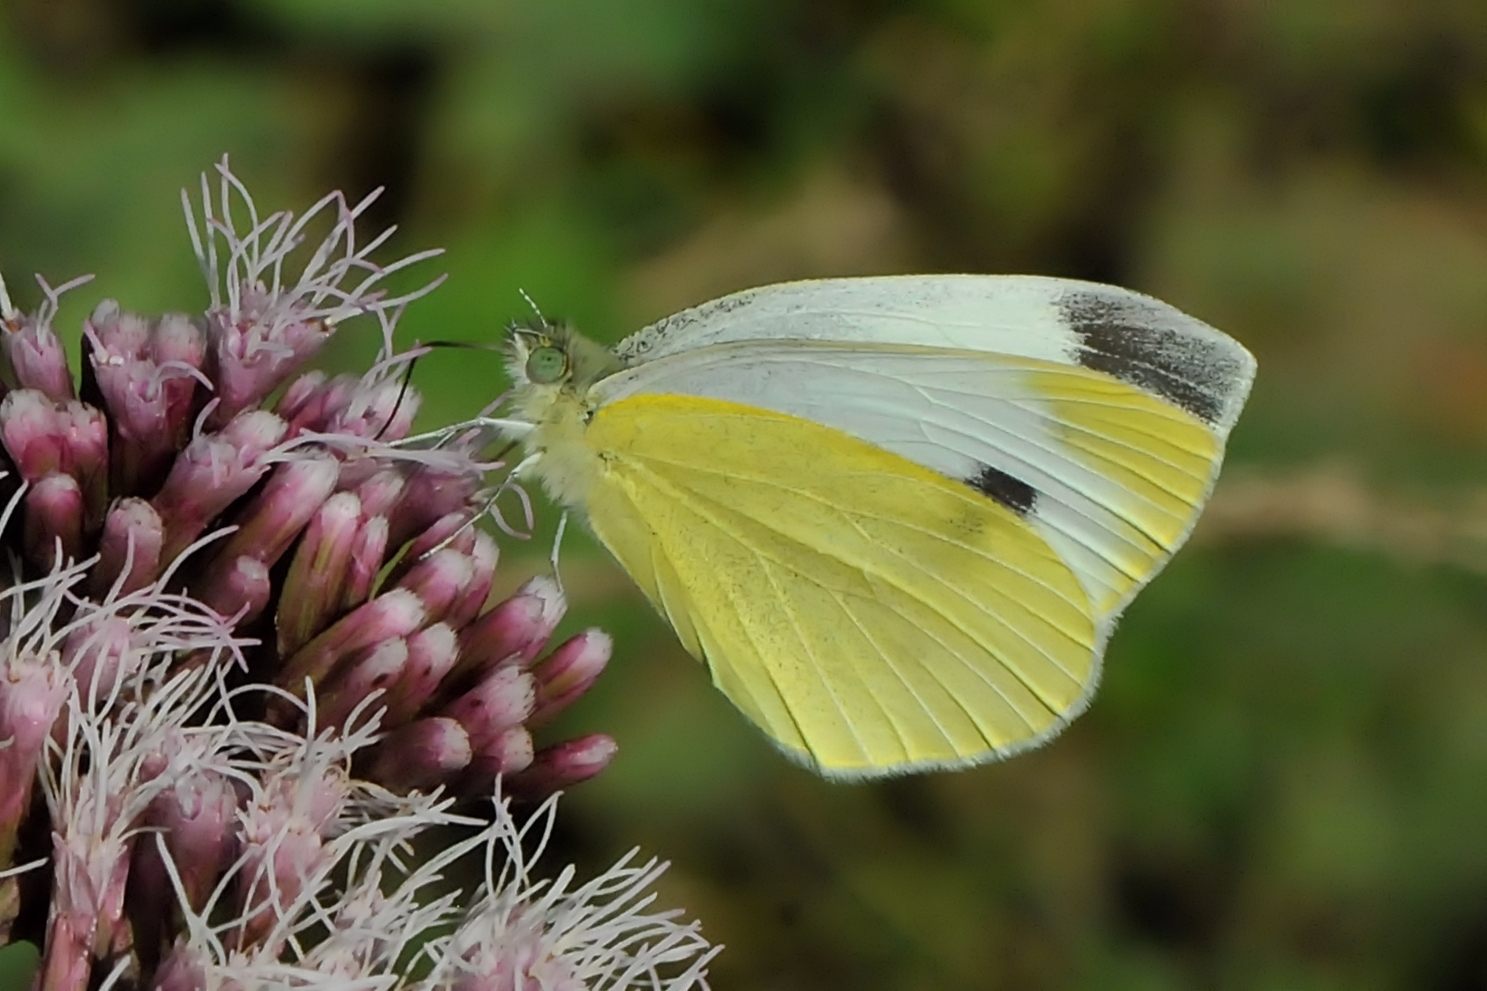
[[1141, 344], [1011, 492]]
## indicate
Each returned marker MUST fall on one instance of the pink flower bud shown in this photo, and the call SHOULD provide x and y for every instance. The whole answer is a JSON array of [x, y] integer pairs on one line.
[[367, 554], [564, 765], [352, 406], [116, 335], [349, 406], [297, 396], [455, 530], [292, 494], [319, 793], [506, 753], [431, 493], [31, 434], [432, 652], [176, 339], [282, 852], [439, 579], [503, 699], [517, 627], [146, 373], [251, 357], [484, 556], [37, 357], [317, 573], [381, 492], [569, 671], [211, 473], [386, 409], [282, 849], [422, 755], [45, 438], [313, 400], [99, 654], [32, 693], [178, 346], [195, 818], [53, 527], [373, 670], [85, 431], [132, 538], [396, 614], [239, 589], [199, 814], [256, 432]]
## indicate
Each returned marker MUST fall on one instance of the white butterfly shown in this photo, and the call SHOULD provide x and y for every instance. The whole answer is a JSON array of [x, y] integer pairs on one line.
[[896, 517]]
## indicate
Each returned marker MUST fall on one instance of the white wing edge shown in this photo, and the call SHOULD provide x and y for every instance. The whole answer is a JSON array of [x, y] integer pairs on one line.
[[1132, 336]]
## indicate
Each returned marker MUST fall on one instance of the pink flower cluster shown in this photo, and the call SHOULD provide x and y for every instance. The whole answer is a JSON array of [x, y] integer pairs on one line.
[[241, 607]]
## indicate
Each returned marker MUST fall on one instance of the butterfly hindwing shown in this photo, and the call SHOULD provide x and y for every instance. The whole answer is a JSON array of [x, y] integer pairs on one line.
[[869, 614]]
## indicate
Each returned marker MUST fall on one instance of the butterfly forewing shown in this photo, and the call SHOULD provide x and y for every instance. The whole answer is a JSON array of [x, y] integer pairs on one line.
[[1027, 405]]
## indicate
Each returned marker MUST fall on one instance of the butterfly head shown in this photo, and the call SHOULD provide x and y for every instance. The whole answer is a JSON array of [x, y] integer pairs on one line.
[[553, 369], [553, 357]]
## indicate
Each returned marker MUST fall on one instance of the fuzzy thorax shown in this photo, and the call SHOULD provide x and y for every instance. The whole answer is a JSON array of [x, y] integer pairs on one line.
[[564, 463]]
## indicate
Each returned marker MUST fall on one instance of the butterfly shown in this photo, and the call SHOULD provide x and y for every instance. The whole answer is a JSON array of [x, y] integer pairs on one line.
[[896, 518]]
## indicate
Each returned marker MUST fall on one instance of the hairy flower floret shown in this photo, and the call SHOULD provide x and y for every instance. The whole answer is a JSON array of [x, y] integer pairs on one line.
[[559, 935], [247, 647], [264, 321], [393, 922], [125, 702]]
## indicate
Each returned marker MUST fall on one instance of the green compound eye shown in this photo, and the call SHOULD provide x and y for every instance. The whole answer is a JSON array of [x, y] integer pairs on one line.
[[546, 365]]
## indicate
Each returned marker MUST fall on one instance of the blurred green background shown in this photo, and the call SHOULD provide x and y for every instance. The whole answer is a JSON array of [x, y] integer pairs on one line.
[[1283, 781]]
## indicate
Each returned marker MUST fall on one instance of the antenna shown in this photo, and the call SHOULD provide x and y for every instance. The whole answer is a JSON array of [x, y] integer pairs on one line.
[[540, 318]]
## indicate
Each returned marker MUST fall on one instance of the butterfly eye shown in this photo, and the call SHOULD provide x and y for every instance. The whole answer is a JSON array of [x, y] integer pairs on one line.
[[546, 365]]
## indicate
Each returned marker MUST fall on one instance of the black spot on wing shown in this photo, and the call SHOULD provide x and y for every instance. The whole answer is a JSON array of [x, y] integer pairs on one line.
[[1150, 345], [1013, 493]]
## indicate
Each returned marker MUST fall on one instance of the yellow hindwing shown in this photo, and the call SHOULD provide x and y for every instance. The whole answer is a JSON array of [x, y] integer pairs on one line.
[[867, 613]]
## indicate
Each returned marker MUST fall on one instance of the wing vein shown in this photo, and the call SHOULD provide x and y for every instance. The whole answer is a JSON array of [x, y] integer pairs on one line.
[[996, 617], [908, 686], [998, 562], [816, 665]]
